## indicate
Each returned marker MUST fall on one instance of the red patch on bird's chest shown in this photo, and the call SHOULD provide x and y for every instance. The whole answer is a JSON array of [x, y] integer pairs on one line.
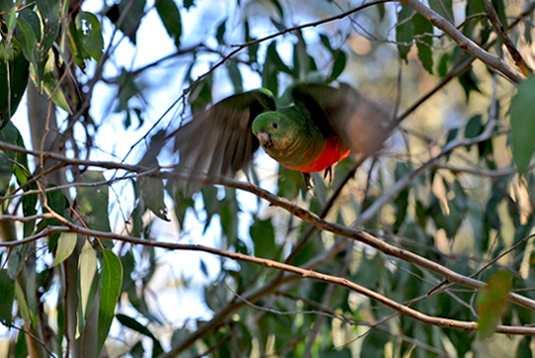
[[333, 152]]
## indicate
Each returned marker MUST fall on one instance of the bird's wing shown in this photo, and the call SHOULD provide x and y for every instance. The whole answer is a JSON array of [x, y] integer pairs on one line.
[[361, 124], [219, 141]]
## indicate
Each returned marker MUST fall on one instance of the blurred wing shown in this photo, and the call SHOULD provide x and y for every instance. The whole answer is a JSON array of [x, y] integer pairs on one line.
[[360, 123], [219, 141]]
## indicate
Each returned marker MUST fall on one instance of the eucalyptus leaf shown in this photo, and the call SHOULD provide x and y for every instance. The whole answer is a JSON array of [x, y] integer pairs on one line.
[[523, 124], [87, 267], [65, 247], [170, 16], [92, 201], [89, 33], [112, 278], [491, 301], [5, 173], [7, 295]]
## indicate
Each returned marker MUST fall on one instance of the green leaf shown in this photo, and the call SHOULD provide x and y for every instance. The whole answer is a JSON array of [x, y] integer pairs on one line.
[[211, 203], [65, 247], [92, 201], [474, 127], [13, 79], [6, 5], [443, 8], [523, 124], [339, 65], [138, 327], [468, 81], [112, 278], [10, 134], [405, 31], [170, 16], [524, 349], [442, 67], [51, 82], [16, 260], [491, 301], [24, 310], [89, 34], [220, 32], [263, 236], [87, 267], [50, 14], [152, 194], [5, 173], [133, 12], [201, 95], [7, 297], [134, 324], [235, 76], [188, 3], [423, 27], [21, 347]]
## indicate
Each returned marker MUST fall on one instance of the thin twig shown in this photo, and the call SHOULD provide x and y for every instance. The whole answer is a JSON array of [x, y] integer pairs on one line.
[[515, 54]]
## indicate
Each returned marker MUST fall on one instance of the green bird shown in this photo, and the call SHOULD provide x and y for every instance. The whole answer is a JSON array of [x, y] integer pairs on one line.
[[321, 126]]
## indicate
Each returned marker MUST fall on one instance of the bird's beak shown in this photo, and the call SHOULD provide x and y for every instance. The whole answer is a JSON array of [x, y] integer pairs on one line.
[[265, 139]]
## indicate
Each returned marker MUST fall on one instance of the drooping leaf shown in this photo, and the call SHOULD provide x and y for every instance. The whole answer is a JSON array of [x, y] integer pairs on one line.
[[524, 349], [50, 14], [7, 295], [13, 79], [89, 33], [523, 124], [152, 194], [201, 95], [87, 269], [263, 235], [424, 28], [52, 84], [220, 32], [133, 12], [16, 260], [65, 247], [491, 301], [10, 134], [112, 278], [138, 327], [468, 81], [339, 65], [405, 31], [170, 16], [92, 201], [188, 3], [24, 308], [5, 173], [235, 76]]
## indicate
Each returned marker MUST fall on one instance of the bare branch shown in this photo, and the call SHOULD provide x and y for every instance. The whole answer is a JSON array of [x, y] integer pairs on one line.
[[304, 273]]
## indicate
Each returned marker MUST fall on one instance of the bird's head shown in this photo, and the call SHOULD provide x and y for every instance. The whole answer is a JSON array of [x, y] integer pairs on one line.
[[275, 131]]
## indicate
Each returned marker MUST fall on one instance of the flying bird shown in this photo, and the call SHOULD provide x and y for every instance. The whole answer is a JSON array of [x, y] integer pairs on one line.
[[321, 127]]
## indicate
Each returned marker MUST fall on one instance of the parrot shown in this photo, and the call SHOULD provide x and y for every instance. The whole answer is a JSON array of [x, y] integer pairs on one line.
[[321, 126]]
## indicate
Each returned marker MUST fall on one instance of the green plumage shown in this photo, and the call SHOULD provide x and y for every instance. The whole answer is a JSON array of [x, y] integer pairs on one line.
[[294, 140], [319, 121]]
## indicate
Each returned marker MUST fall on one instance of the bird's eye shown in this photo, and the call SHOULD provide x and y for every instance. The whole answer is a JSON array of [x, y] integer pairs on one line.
[[275, 125]]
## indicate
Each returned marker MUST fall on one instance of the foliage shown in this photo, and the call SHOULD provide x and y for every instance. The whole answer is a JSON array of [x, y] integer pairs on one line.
[[423, 249]]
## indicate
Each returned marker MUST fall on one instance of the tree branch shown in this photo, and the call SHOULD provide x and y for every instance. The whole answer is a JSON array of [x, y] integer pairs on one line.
[[496, 23], [464, 42]]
